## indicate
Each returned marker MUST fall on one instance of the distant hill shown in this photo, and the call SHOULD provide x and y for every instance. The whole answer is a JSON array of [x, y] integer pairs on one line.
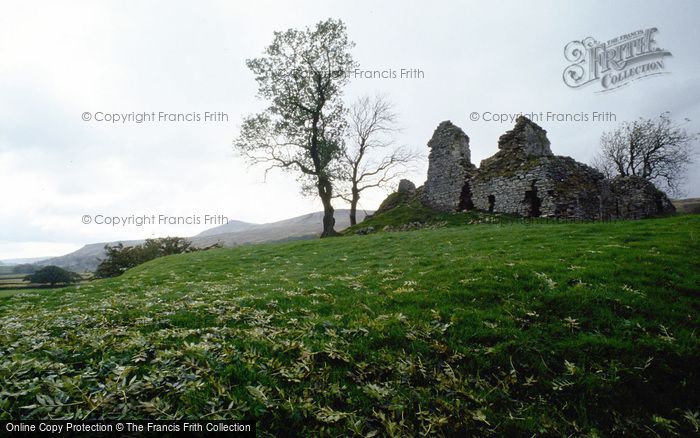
[[233, 233], [690, 205], [12, 262], [230, 227], [86, 258], [307, 226]]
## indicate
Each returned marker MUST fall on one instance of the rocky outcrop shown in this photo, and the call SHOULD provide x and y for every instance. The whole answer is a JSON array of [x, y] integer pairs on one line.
[[449, 165], [406, 186], [403, 196]]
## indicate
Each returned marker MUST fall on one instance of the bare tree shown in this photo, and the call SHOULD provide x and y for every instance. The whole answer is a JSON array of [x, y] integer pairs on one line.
[[371, 158], [657, 150]]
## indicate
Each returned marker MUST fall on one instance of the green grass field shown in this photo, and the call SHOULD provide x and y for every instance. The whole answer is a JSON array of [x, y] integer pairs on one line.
[[12, 281], [11, 292], [11, 284], [504, 330]]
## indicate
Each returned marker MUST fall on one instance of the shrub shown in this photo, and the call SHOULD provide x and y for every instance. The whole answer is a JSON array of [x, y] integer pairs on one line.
[[53, 275], [121, 258]]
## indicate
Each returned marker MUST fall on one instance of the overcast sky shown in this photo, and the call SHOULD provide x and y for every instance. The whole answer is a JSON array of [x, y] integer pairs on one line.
[[58, 61]]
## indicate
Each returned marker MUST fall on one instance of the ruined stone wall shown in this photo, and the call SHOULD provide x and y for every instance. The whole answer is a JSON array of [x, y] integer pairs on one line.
[[635, 198], [507, 194], [548, 186], [449, 167], [525, 178]]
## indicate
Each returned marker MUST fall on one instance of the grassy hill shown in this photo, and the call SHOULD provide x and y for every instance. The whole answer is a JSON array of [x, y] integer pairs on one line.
[[513, 329], [410, 212], [690, 205], [233, 233]]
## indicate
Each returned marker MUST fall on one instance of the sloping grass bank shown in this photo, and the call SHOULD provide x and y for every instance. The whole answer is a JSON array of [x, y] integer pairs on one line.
[[515, 329]]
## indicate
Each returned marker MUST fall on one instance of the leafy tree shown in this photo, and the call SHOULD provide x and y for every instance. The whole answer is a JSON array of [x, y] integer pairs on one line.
[[657, 150], [120, 258], [164, 246], [371, 160], [53, 275], [302, 74]]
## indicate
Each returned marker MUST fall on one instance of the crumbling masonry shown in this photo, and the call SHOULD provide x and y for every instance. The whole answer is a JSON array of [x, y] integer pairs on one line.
[[525, 178]]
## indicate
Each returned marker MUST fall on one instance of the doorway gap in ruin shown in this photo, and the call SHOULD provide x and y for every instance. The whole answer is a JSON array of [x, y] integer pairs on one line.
[[532, 202], [465, 198]]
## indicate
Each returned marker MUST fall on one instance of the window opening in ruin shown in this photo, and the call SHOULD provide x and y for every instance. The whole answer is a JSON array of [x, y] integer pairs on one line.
[[533, 202], [492, 201], [465, 198]]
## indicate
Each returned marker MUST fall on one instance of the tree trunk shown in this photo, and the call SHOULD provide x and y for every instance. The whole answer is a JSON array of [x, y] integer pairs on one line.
[[353, 206], [353, 219], [325, 192], [323, 183]]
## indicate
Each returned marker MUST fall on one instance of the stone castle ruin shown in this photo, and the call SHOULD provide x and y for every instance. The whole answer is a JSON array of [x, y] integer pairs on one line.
[[525, 178]]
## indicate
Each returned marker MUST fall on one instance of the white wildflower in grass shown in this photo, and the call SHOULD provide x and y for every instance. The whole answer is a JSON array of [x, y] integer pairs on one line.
[[547, 281], [629, 289], [408, 286], [560, 384], [530, 381], [379, 392], [571, 323], [328, 415], [570, 368], [693, 418], [665, 334]]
